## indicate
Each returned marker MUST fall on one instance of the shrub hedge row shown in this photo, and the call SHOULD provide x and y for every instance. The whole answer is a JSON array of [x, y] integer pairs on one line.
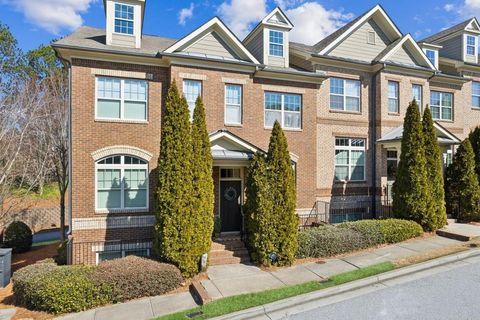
[[63, 289], [326, 241]]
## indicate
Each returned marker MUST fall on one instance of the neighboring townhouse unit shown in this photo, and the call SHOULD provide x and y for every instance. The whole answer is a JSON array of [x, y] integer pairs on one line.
[[341, 103]]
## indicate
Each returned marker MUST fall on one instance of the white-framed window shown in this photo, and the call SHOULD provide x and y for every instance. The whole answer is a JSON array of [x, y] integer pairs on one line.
[[230, 173], [432, 56], [417, 93], [192, 89], [393, 102], [371, 38], [103, 256], [121, 99], [284, 108], [441, 104], [349, 159], [121, 183], [276, 43], [475, 94], [233, 104], [124, 18], [471, 45], [344, 94]]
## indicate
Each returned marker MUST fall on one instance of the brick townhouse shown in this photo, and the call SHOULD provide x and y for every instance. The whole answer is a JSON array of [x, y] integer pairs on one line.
[[340, 101]]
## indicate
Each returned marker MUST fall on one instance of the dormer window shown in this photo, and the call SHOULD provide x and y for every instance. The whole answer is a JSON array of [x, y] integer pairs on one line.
[[471, 46], [276, 43], [124, 18], [431, 55]]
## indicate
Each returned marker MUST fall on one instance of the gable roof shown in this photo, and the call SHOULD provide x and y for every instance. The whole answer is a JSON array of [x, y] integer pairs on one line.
[[325, 45], [390, 50], [214, 24], [277, 11], [443, 136], [437, 37], [238, 149]]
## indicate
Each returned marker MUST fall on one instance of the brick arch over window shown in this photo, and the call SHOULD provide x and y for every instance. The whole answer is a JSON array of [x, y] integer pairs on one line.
[[116, 150]]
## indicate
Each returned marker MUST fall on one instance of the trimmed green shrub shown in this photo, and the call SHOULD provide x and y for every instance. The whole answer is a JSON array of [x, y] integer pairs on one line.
[[326, 241], [396, 230], [259, 224], [203, 192], [474, 138], [135, 277], [61, 257], [58, 289], [463, 189], [18, 236], [411, 192], [281, 179], [174, 240], [346, 237], [434, 167]]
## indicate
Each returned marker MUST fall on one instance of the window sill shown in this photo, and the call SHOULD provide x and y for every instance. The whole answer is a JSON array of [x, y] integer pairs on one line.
[[350, 182], [233, 125], [124, 34], [395, 114], [475, 108], [285, 129], [114, 211], [444, 120], [345, 111], [122, 121]]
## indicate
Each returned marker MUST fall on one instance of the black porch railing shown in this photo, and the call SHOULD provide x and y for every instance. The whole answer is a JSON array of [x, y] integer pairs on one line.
[[342, 211]]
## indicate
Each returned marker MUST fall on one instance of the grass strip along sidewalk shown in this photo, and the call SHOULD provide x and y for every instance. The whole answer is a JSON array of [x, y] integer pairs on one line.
[[245, 301]]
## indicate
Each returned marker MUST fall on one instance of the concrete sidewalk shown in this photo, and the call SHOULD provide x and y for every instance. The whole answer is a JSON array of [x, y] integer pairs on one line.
[[229, 280]]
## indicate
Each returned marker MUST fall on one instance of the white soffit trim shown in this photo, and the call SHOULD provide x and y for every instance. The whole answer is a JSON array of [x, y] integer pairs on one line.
[[408, 38], [365, 17], [445, 132], [234, 139], [127, 150], [278, 11], [210, 25], [474, 24]]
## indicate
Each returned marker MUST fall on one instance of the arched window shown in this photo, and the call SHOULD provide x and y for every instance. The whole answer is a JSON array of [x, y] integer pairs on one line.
[[121, 183]]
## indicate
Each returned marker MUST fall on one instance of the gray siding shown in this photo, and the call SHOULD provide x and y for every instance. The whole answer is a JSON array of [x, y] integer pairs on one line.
[[452, 48], [212, 45], [122, 40], [356, 46], [255, 46], [402, 56]]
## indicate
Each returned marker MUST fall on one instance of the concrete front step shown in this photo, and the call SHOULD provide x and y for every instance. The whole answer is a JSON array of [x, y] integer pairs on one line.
[[231, 260], [230, 245], [228, 250], [229, 253]]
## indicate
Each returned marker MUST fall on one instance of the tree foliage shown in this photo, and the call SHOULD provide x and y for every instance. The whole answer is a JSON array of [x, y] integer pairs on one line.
[[174, 228], [434, 167], [411, 194], [474, 138], [202, 180], [463, 190]]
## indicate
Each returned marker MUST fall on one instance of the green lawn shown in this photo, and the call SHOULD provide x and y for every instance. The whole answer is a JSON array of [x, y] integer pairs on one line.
[[245, 301], [50, 190], [44, 243]]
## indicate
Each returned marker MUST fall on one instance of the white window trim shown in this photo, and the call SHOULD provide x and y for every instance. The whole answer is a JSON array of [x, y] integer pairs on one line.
[[122, 167], [349, 148], [442, 106], [282, 111], [235, 105], [420, 103], [97, 253], [277, 44], [345, 96], [475, 95], [474, 46], [115, 18], [122, 100], [396, 98], [369, 33], [183, 92]]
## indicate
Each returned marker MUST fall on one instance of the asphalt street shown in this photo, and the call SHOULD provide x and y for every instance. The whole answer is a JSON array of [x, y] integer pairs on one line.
[[451, 294]]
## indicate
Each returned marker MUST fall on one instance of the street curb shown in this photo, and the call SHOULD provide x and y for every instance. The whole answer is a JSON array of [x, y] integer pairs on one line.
[[263, 310]]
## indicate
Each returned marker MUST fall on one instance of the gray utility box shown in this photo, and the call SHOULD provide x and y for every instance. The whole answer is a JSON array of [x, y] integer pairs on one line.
[[5, 267]]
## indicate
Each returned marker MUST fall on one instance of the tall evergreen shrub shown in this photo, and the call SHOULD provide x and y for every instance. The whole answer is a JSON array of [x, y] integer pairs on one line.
[[202, 180], [463, 190], [434, 167], [174, 238], [411, 194], [282, 189], [474, 137]]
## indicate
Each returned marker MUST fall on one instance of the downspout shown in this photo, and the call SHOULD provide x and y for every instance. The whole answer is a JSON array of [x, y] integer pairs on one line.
[[374, 137], [70, 198]]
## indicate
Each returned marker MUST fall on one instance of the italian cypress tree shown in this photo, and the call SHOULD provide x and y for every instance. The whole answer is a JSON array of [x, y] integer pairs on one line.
[[259, 223], [411, 194], [174, 230], [282, 189], [474, 137], [463, 190], [202, 180], [434, 167]]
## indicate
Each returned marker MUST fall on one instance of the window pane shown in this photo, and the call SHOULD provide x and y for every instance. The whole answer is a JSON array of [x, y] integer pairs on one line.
[[358, 173], [341, 157], [341, 142], [292, 102], [446, 99], [392, 105], [392, 89], [447, 113], [352, 88], [123, 26], [271, 116], [476, 94], [353, 104], [135, 178], [476, 101], [358, 158], [292, 120], [105, 256], [233, 114], [435, 112], [233, 94], [341, 173], [431, 56], [233, 101], [192, 89], [417, 93], [276, 43], [336, 86], [273, 101], [336, 102], [135, 110], [138, 253], [108, 88], [135, 198], [135, 90], [109, 199], [108, 109], [435, 98]]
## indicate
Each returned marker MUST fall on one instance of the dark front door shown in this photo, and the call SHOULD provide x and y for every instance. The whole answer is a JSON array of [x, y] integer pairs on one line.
[[230, 211]]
